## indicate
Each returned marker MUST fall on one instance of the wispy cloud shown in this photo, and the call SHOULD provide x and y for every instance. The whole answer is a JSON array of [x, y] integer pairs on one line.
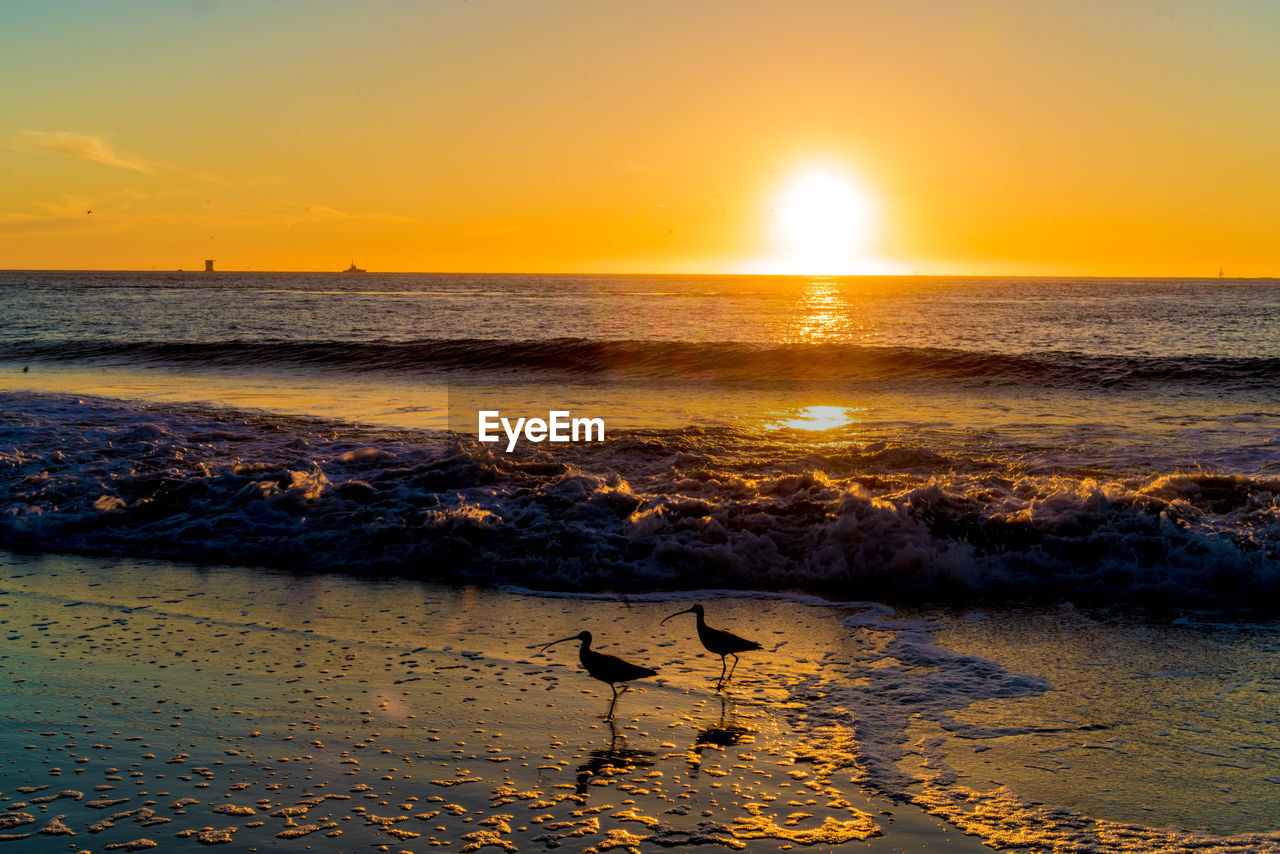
[[492, 229], [295, 213], [80, 146], [69, 215], [321, 212], [130, 209], [68, 206]]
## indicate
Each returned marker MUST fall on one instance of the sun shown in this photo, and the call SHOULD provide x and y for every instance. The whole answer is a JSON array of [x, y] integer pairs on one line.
[[822, 221], [821, 213]]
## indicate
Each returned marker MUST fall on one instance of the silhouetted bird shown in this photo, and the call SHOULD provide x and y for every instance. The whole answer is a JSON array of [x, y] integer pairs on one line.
[[720, 642], [606, 668]]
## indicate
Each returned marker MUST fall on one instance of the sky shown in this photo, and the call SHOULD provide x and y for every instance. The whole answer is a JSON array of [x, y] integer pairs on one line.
[[1011, 138]]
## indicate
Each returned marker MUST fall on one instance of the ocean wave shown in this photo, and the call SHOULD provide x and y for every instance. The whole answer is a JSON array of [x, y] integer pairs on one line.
[[666, 360], [648, 510]]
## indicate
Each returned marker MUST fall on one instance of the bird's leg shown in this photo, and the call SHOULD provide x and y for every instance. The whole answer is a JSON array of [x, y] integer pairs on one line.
[[723, 661], [735, 664], [612, 702]]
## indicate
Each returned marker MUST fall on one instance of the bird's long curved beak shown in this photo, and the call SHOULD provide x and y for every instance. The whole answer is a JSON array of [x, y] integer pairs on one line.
[[676, 614], [552, 643]]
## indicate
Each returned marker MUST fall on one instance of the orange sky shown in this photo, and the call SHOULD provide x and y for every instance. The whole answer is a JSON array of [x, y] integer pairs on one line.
[[1089, 138]]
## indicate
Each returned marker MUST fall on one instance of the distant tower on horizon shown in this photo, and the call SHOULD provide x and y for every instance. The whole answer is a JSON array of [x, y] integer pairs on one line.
[[208, 265]]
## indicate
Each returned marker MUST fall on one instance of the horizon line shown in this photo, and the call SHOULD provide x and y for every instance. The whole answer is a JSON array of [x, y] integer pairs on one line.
[[735, 275]]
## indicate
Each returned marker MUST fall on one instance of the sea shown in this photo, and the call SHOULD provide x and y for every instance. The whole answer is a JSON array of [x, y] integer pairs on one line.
[[898, 438], [1043, 514]]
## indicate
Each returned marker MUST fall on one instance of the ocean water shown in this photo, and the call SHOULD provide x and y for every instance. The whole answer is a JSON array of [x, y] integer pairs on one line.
[[1065, 490], [901, 438]]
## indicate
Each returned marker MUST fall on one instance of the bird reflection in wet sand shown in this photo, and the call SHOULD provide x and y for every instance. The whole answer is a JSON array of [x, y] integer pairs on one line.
[[726, 733], [612, 761], [718, 641], [606, 668]]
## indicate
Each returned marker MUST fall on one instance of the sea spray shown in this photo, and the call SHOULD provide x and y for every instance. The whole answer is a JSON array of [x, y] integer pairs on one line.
[[643, 510]]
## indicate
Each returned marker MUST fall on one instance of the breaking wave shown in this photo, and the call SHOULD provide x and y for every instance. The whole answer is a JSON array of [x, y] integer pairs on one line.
[[728, 361], [649, 509]]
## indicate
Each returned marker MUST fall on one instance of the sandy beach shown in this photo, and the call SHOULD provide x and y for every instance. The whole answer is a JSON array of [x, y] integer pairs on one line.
[[224, 705], [157, 705]]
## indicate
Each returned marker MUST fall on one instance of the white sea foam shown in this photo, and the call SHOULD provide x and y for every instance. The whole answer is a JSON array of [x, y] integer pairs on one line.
[[656, 509]]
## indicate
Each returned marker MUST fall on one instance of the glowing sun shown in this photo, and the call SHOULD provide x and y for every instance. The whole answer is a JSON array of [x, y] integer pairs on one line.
[[821, 222]]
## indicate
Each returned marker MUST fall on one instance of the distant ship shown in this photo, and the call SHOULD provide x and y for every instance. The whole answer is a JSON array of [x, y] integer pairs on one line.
[[353, 268]]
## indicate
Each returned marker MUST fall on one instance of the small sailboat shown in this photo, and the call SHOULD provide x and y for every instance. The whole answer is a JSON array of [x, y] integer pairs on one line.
[[353, 268]]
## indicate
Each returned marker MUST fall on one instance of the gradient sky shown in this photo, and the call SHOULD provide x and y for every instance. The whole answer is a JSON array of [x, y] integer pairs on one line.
[[1080, 138]]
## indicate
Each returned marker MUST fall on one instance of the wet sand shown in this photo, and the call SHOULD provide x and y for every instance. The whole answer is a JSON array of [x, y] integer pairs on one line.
[[153, 705], [159, 705]]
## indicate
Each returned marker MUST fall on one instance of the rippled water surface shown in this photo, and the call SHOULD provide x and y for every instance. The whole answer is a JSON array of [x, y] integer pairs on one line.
[[1012, 548]]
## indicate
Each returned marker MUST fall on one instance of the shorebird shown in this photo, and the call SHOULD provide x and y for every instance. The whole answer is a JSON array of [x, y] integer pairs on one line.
[[606, 668], [718, 641]]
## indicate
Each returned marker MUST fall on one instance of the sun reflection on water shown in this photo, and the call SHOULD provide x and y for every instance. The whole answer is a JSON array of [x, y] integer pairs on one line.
[[818, 418], [824, 315]]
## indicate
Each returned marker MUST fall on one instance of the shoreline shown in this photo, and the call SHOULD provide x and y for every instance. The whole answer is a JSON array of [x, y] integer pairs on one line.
[[275, 730], [288, 693]]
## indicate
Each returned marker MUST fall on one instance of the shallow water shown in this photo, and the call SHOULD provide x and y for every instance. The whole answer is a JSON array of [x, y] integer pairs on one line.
[[268, 692], [389, 713], [1180, 719]]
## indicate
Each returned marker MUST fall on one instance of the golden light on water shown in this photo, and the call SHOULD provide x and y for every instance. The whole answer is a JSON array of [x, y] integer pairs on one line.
[[817, 418], [823, 314]]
